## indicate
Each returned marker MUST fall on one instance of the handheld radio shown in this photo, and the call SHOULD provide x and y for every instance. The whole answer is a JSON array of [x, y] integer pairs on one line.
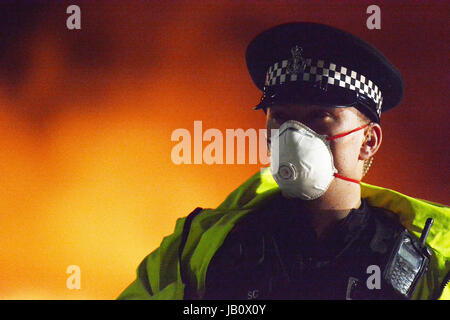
[[408, 261]]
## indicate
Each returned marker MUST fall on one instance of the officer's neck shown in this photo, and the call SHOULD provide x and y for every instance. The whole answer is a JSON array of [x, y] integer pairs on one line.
[[327, 210]]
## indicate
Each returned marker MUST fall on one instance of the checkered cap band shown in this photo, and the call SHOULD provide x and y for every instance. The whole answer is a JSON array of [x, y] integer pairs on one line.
[[333, 74]]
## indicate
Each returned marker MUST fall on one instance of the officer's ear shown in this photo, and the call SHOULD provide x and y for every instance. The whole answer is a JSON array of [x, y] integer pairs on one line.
[[372, 141]]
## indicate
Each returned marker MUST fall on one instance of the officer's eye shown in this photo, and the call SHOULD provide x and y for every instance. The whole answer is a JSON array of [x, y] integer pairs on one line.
[[278, 115], [321, 114]]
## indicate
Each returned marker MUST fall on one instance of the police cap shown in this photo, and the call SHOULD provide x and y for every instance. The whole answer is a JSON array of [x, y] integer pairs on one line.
[[303, 62]]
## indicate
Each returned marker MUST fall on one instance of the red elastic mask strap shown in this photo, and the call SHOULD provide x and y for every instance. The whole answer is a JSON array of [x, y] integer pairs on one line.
[[346, 133], [337, 175]]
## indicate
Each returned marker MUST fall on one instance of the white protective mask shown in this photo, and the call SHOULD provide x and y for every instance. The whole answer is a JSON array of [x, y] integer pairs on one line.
[[302, 161]]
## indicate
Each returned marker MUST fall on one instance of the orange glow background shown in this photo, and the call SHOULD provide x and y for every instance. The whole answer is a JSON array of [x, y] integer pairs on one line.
[[86, 118]]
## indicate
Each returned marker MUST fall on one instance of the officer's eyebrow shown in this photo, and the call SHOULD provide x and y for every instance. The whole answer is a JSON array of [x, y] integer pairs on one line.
[[278, 107]]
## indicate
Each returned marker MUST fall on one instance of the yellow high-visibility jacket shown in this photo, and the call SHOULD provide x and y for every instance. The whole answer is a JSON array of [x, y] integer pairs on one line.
[[159, 276]]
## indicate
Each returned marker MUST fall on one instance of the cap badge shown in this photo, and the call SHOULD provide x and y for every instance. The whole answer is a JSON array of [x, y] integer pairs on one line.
[[297, 64]]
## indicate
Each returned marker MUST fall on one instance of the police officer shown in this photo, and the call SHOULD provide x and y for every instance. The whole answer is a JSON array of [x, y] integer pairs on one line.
[[307, 228]]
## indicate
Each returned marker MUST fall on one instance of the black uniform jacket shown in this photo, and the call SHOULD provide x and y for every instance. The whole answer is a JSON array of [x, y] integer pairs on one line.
[[274, 253]]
